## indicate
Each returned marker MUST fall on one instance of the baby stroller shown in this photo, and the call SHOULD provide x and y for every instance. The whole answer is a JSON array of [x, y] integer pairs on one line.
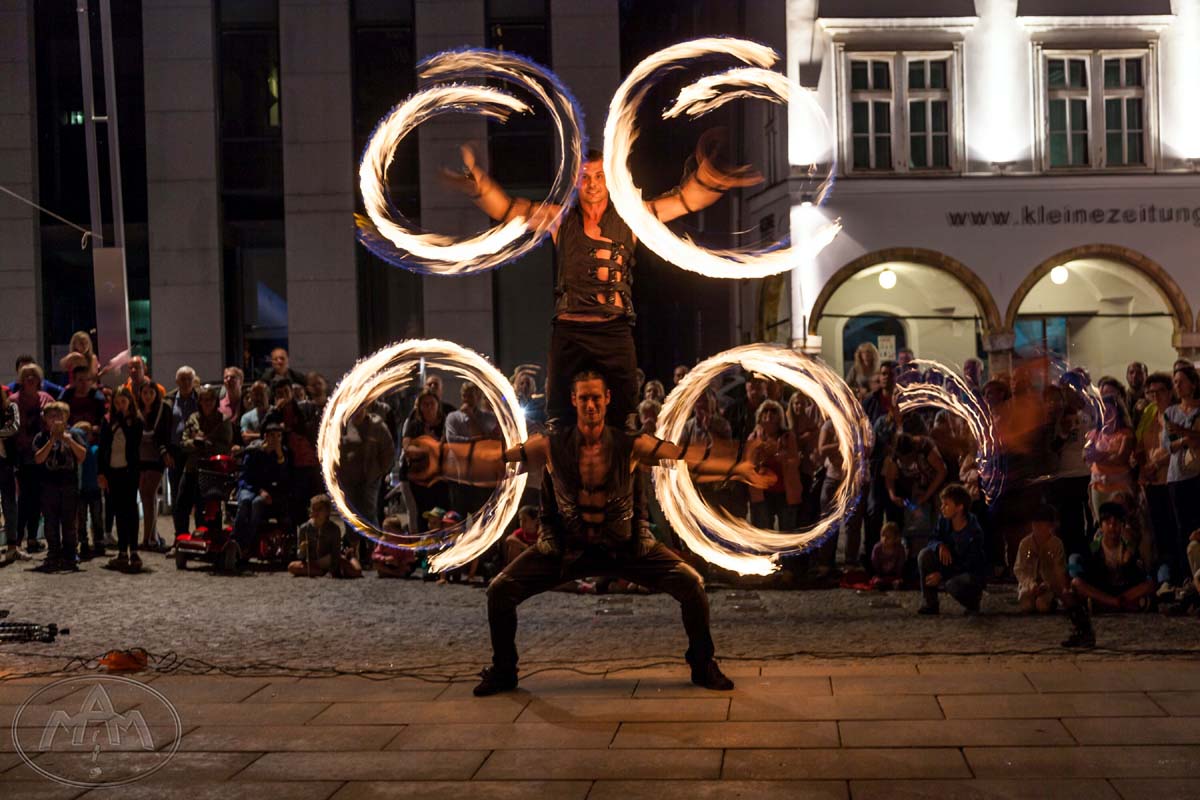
[[212, 541]]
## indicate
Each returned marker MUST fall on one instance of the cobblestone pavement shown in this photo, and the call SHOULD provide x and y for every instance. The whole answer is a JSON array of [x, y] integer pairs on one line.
[[838, 695], [372, 623]]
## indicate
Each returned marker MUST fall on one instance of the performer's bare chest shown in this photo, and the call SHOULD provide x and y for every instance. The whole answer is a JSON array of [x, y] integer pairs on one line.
[[593, 474]]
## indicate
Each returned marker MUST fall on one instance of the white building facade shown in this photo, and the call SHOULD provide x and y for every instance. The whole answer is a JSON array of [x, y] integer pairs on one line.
[[1013, 176]]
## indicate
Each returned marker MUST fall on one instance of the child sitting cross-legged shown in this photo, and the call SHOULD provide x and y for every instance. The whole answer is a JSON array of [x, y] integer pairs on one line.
[[524, 537], [321, 550], [393, 562], [1110, 575], [888, 558], [1041, 565]]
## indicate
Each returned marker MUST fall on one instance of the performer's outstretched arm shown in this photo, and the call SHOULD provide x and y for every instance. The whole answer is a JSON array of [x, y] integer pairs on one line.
[[723, 460], [704, 185], [490, 197], [481, 463]]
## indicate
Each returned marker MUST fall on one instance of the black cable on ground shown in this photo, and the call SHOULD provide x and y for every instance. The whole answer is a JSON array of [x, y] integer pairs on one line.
[[172, 663]]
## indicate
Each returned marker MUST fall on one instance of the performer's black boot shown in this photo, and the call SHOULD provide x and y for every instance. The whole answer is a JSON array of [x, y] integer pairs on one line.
[[709, 676], [495, 682], [1082, 636]]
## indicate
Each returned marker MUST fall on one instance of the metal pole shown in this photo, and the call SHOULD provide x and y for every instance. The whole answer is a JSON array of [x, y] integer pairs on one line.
[[89, 117], [108, 263], [110, 107]]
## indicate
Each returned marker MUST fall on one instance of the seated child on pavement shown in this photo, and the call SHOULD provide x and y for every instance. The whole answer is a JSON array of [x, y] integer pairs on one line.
[[393, 562], [888, 558], [1110, 575], [956, 557], [1041, 565], [321, 550]]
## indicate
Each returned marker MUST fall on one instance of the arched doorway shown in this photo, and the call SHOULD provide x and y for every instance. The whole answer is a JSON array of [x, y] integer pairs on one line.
[[904, 297], [1101, 307]]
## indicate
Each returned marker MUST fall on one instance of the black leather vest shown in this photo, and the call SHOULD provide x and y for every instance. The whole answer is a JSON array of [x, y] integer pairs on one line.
[[577, 288], [618, 487]]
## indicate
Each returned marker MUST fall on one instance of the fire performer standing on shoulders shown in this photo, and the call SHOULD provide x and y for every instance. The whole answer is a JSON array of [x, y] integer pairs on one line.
[[593, 312], [592, 520]]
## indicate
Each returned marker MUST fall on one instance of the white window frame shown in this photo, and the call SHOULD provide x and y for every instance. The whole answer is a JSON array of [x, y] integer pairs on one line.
[[1097, 94], [899, 98], [928, 96], [872, 96], [1124, 93]]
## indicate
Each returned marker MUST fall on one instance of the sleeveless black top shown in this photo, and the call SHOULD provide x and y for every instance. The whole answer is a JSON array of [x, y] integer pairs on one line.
[[577, 288]]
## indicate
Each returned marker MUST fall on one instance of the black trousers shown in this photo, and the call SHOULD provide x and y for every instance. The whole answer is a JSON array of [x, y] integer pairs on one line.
[[123, 497], [606, 347], [532, 573], [1069, 496], [59, 502], [962, 586], [306, 483], [29, 502], [1172, 548], [427, 498]]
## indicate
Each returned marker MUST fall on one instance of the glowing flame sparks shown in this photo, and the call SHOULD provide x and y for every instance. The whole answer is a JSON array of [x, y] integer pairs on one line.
[[734, 544], [928, 384], [700, 97], [388, 234], [393, 369]]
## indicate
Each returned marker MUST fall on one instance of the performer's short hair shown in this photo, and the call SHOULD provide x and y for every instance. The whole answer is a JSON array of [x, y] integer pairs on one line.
[[593, 154], [588, 375]]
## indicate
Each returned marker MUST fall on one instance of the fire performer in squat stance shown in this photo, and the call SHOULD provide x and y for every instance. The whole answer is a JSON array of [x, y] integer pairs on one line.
[[593, 311], [592, 520]]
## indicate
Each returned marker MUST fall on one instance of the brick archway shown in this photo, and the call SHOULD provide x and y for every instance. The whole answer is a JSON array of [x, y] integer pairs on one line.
[[975, 286], [1173, 296]]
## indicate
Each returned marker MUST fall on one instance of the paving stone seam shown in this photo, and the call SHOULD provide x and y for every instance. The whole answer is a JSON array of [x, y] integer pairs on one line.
[[258, 757], [388, 743], [485, 760], [1159, 705]]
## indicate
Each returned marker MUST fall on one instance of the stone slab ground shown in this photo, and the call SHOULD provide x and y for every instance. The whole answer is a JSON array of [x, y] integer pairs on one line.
[[895, 728]]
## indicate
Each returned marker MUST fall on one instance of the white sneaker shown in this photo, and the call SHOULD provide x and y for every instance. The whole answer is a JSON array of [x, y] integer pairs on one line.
[[1166, 589]]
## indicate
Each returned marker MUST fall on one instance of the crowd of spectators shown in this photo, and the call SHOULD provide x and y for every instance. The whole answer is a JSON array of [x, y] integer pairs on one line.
[[1101, 502]]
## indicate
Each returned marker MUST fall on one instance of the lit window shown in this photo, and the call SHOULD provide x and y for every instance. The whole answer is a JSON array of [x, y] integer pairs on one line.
[[901, 111], [1067, 80], [1101, 92], [928, 114], [871, 113], [1124, 111]]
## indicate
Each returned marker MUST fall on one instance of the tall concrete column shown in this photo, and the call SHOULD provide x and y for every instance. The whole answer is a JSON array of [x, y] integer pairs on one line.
[[186, 297], [585, 43], [459, 309], [318, 185], [21, 296]]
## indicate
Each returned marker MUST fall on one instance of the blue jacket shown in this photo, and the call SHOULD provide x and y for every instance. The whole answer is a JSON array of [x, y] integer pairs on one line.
[[49, 387], [261, 471], [967, 547]]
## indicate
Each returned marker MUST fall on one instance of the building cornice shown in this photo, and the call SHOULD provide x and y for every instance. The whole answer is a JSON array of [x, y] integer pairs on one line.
[[1147, 22], [836, 26]]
